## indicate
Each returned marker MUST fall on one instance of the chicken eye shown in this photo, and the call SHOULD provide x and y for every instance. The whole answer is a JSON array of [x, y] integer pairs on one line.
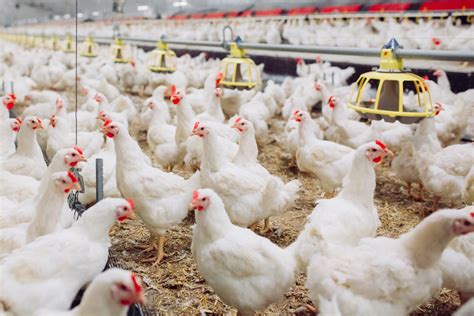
[[202, 128], [373, 149], [63, 181], [123, 287], [204, 199], [73, 154]]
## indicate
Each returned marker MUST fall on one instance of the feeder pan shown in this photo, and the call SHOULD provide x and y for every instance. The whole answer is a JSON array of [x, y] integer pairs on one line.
[[391, 82], [89, 48], [119, 51], [69, 46], [163, 59], [54, 43], [240, 72]]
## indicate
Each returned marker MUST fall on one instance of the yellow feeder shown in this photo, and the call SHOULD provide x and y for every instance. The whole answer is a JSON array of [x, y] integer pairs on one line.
[[120, 51], [163, 59], [240, 72], [391, 82], [89, 48], [69, 46], [54, 43]]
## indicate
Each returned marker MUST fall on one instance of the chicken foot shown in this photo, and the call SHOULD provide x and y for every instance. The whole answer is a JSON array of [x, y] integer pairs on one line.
[[160, 254], [267, 226]]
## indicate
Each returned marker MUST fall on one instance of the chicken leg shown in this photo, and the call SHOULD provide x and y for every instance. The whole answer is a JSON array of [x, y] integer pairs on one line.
[[267, 227], [151, 246], [160, 254]]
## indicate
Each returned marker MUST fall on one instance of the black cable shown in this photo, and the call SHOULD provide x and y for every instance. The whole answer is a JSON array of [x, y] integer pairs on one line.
[[75, 114]]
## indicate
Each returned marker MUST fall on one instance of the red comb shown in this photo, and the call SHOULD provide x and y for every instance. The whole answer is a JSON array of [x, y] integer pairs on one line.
[[196, 124], [238, 119], [299, 60], [296, 112], [436, 41], [425, 77], [317, 87], [137, 285], [331, 99], [173, 89], [72, 176], [79, 150], [132, 203], [195, 195], [19, 120], [380, 144], [13, 96], [39, 120], [106, 123], [472, 214]]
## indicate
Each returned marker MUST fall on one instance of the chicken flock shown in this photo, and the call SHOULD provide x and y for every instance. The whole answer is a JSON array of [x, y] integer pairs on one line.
[[440, 34], [47, 254]]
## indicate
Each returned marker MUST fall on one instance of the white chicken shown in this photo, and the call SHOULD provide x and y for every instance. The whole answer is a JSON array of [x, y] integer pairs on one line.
[[47, 214], [326, 160], [8, 130], [349, 216], [109, 294], [28, 159], [79, 253], [60, 136], [239, 265], [396, 268], [246, 157], [162, 198], [249, 197]]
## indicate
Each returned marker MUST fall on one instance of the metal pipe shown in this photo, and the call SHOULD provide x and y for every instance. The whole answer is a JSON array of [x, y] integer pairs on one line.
[[462, 56], [312, 49], [99, 179]]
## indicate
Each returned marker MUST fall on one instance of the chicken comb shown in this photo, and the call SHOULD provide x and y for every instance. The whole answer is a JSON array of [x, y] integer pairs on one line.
[[196, 125], [472, 214], [380, 144], [132, 203], [195, 195], [296, 112], [173, 89], [331, 99], [317, 86], [219, 77], [78, 149], [72, 176], [19, 120], [425, 77], [299, 60], [39, 120], [318, 59], [107, 123], [238, 119], [436, 41], [13, 96]]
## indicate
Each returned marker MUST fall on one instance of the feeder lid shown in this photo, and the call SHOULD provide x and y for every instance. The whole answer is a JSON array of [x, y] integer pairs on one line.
[[392, 44]]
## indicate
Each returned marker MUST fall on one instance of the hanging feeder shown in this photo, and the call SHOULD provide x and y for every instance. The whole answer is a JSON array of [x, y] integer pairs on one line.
[[54, 45], [120, 51], [163, 59], [89, 48], [69, 46], [392, 84], [240, 72]]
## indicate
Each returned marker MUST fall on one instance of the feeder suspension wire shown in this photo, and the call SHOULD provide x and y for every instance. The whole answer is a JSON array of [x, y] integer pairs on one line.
[[75, 113]]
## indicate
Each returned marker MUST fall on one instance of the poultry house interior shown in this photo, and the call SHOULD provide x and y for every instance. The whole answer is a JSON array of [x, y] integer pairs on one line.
[[237, 157]]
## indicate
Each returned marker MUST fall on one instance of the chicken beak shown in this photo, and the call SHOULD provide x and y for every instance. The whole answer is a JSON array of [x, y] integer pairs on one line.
[[389, 152], [40, 125], [82, 158]]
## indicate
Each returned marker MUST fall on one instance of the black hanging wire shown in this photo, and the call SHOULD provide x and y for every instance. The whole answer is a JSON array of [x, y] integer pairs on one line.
[[75, 115], [73, 198]]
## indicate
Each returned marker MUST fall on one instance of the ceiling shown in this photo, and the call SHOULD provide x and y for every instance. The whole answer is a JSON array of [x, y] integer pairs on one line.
[[33, 11]]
